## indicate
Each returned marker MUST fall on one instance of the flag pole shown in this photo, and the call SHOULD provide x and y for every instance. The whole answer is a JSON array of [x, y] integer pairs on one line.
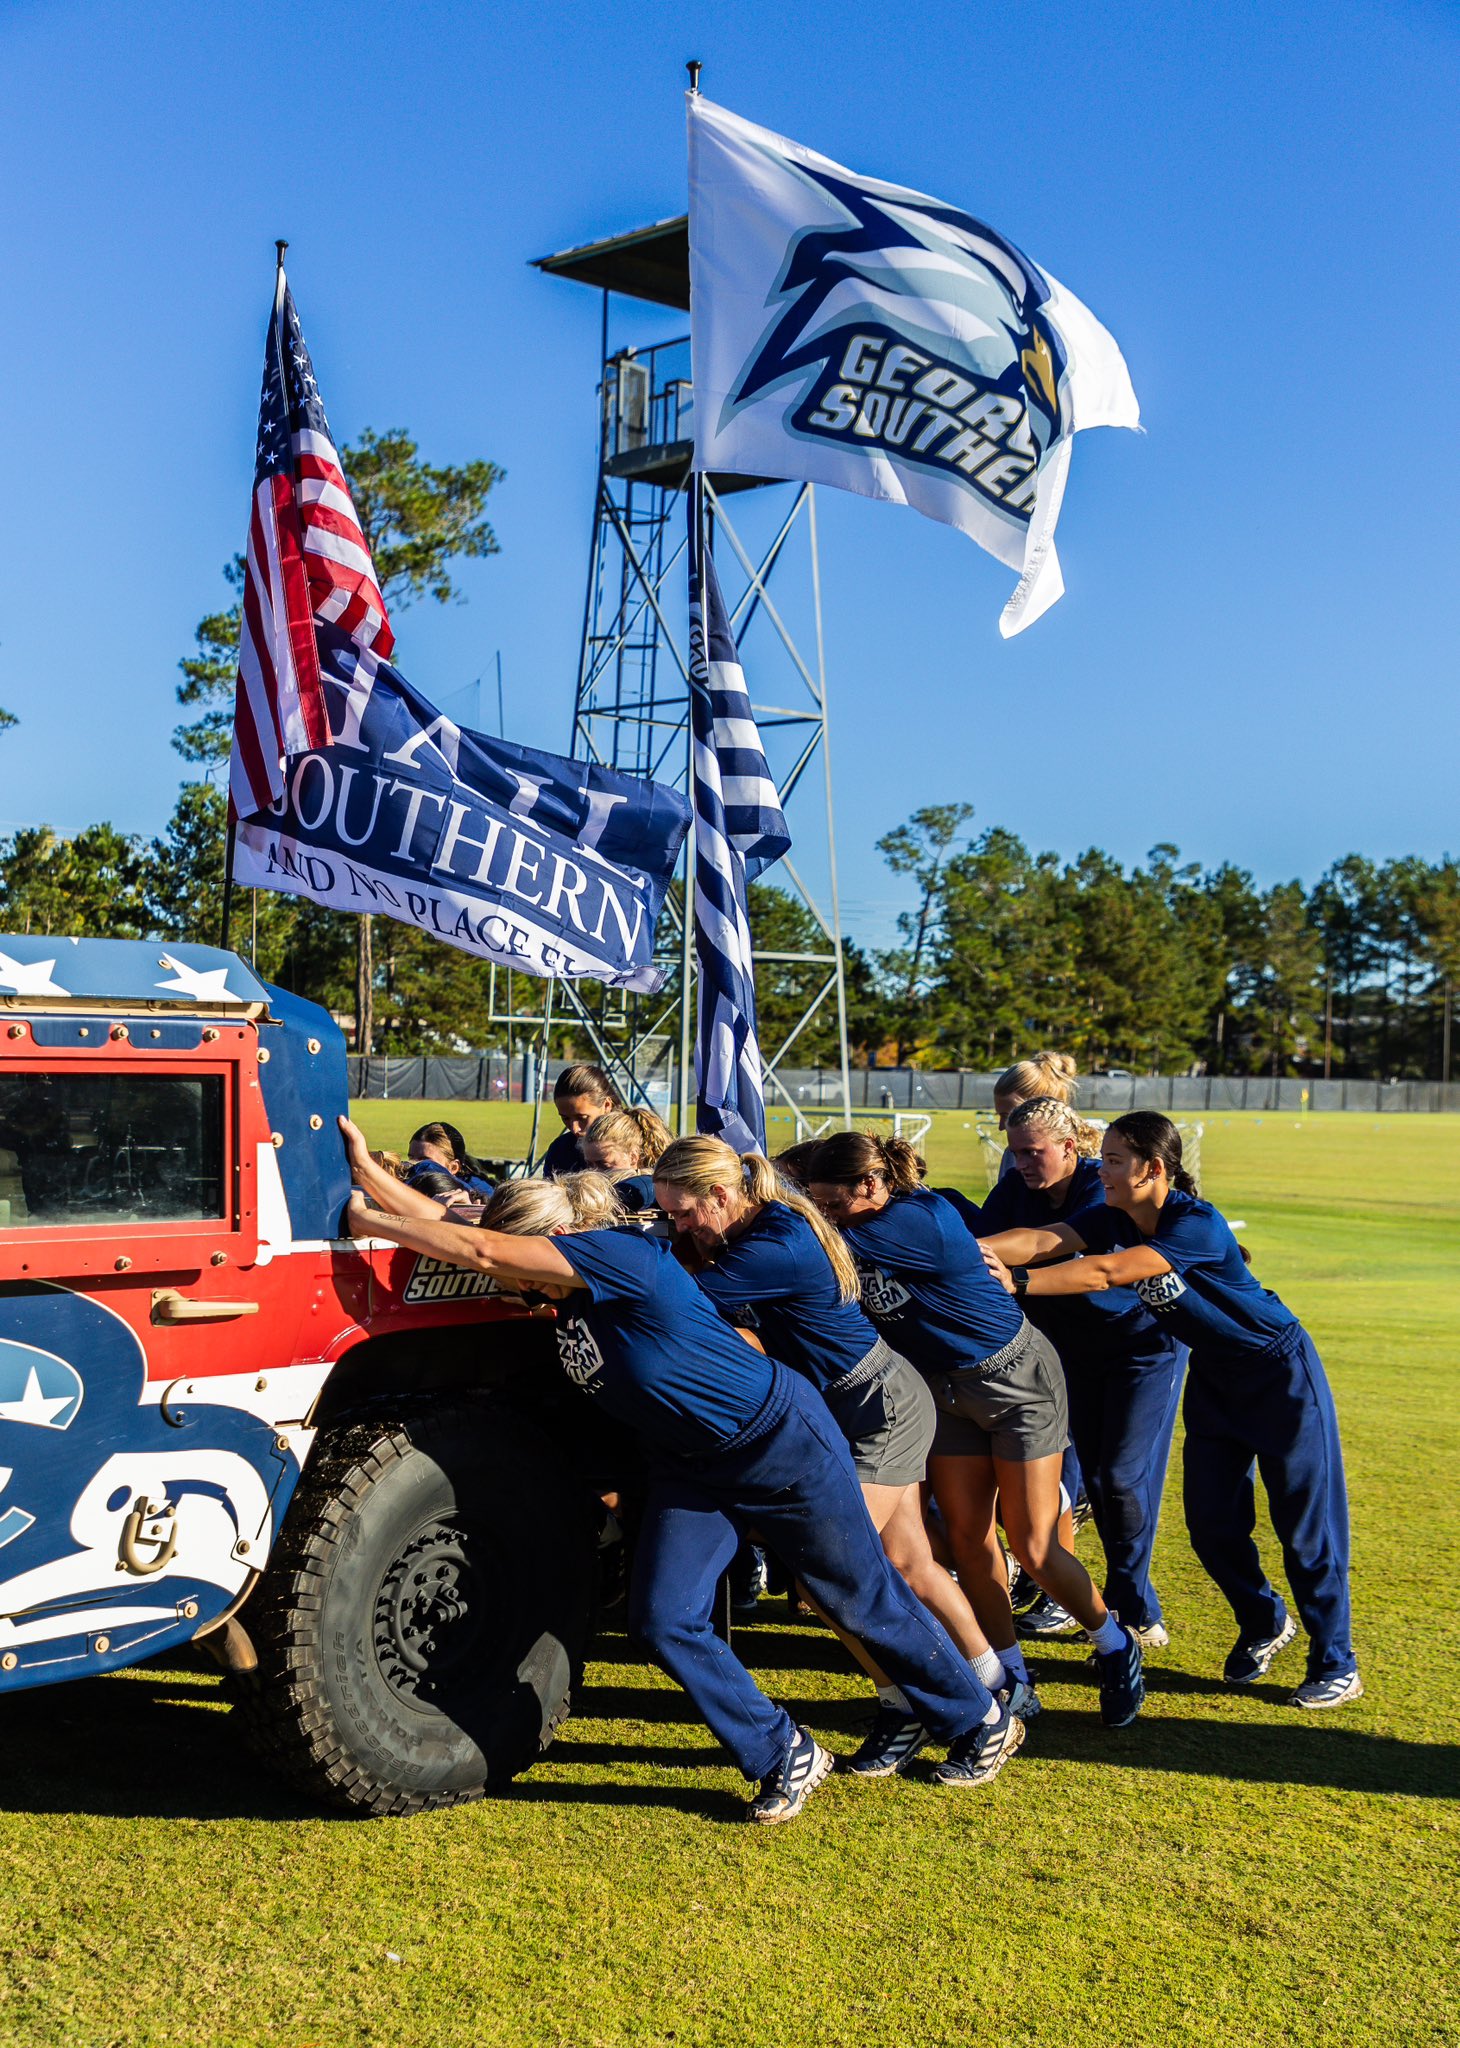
[[687, 929], [226, 914], [687, 907], [227, 910]]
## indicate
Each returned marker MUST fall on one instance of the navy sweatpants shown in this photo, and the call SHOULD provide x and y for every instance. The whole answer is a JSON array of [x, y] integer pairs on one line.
[[1274, 1409], [797, 1487], [1122, 1413]]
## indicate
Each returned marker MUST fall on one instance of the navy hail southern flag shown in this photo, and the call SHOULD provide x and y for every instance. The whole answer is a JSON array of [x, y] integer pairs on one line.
[[307, 563], [739, 831]]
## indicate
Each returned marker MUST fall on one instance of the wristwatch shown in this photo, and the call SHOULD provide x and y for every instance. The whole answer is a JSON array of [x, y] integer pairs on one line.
[[1020, 1277]]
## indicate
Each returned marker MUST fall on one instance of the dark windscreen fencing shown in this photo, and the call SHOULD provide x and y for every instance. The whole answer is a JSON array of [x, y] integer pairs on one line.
[[491, 1077]]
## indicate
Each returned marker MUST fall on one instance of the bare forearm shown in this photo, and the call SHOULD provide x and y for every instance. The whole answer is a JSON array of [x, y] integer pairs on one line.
[[1075, 1276], [457, 1244], [1027, 1247], [527, 1259]]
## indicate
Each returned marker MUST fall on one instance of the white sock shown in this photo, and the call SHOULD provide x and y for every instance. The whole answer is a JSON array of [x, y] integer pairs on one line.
[[1012, 1660], [995, 1710], [893, 1696], [1109, 1636], [989, 1666]]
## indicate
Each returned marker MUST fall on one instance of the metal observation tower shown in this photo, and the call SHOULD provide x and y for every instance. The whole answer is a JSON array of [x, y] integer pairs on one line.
[[631, 704]]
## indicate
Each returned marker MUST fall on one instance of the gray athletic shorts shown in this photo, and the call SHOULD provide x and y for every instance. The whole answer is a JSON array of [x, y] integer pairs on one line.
[[888, 1423], [1012, 1406]]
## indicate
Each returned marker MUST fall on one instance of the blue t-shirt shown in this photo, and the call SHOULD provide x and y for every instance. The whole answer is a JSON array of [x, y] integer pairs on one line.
[[926, 1287], [562, 1156], [969, 1210], [652, 1348], [635, 1191], [1209, 1299], [775, 1279], [1077, 1325]]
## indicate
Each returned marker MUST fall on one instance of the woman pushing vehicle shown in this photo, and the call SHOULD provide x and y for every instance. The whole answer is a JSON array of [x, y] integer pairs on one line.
[[1256, 1393], [770, 1262], [736, 1443], [1002, 1422], [1123, 1367]]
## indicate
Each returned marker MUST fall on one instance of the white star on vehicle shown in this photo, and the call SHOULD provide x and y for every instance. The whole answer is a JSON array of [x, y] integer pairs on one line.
[[203, 984], [29, 977], [34, 1406]]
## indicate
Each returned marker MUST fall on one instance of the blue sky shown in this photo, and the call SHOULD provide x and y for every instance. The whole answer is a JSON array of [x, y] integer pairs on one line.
[[1256, 657]]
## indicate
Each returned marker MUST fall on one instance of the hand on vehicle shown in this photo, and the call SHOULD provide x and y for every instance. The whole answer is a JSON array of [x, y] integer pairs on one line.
[[356, 1149]]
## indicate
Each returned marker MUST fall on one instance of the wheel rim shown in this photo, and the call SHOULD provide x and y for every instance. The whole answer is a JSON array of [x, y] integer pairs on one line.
[[437, 1612]]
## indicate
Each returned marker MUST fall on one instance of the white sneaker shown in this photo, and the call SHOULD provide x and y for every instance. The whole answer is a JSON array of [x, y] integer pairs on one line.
[[1333, 1691], [1153, 1636]]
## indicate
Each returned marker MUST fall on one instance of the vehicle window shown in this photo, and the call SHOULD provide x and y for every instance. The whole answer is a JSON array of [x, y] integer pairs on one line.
[[110, 1148]]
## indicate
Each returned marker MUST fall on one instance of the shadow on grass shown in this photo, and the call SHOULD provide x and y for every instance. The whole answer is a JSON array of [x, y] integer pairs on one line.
[[153, 1745], [144, 1744], [1298, 1753]]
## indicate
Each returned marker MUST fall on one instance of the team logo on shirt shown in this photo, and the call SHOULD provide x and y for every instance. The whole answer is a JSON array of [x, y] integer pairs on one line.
[[578, 1350], [881, 1294], [1162, 1291]]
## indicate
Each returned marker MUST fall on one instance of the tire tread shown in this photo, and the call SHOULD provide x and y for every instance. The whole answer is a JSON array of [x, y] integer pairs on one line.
[[285, 1713]]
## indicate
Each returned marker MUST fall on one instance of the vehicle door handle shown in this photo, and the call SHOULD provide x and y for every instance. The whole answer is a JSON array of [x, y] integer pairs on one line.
[[168, 1306]]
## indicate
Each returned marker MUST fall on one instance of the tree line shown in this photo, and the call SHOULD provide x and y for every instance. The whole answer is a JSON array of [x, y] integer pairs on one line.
[[1165, 967], [1162, 967]]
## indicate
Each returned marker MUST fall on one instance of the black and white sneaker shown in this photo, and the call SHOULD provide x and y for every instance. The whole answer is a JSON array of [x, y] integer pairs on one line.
[[1023, 1700], [783, 1794], [1247, 1661], [892, 1742], [1332, 1691], [979, 1756], [1122, 1683], [749, 1579], [1045, 1618]]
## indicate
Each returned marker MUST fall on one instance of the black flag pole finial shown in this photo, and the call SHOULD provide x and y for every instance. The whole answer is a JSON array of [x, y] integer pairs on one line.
[[280, 247], [694, 67]]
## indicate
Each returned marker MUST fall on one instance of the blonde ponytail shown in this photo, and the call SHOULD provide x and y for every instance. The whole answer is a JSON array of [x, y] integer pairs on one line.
[[1048, 1074], [697, 1166], [538, 1208]]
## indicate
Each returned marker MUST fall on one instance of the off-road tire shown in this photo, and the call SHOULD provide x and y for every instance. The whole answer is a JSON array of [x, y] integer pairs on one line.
[[422, 1622]]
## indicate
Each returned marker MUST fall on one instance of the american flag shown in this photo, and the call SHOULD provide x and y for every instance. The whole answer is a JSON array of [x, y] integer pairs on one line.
[[307, 563], [739, 831]]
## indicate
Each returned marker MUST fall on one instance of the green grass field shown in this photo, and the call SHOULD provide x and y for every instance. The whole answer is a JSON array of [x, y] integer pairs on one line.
[[1223, 1872]]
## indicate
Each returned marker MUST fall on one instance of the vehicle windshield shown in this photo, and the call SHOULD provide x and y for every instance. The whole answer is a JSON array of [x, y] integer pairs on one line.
[[110, 1148]]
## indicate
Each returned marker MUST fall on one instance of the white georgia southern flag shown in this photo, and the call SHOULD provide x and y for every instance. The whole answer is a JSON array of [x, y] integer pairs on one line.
[[855, 333]]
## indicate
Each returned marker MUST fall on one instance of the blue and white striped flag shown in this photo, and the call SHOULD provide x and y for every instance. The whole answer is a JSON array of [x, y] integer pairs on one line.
[[739, 831]]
